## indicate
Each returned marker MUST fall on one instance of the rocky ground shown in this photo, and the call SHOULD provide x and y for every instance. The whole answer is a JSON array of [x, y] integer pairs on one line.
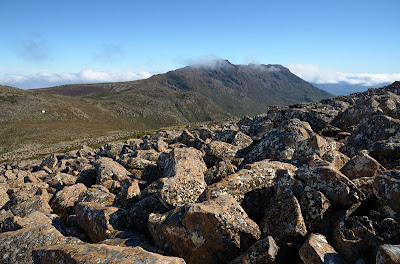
[[311, 183]]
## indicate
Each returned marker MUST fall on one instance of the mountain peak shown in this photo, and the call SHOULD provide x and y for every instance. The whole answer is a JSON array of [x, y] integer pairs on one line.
[[212, 64]]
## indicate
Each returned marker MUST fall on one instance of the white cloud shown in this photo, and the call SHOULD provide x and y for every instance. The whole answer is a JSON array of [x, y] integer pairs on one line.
[[262, 67], [209, 61], [314, 74], [44, 79]]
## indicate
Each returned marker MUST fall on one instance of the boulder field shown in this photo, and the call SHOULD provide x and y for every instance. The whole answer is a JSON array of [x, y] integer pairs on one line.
[[306, 183]]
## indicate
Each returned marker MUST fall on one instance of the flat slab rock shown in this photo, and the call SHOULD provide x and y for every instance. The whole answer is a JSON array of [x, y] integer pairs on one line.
[[99, 253]]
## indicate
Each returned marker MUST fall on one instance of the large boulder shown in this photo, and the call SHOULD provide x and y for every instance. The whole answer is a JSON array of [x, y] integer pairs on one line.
[[27, 198], [185, 137], [281, 142], [355, 239], [260, 126], [112, 150], [378, 103], [178, 191], [183, 180], [214, 231], [129, 193], [147, 154], [59, 180], [217, 151], [316, 250], [332, 183], [99, 253], [261, 252], [318, 115], [63, 201], [219, 171], [87, 177], [100, 222], [388, 254], [50, 161], [253, 176], [235, 138], [3, 195], [13, 223], [17, 246], [316, 210], [139, 213], [386, 186], [371, 130], [283, 219], [184, 162], [366, 107], [362, 165], [314, 144], [107, 169], [97, 194], [136, 163]]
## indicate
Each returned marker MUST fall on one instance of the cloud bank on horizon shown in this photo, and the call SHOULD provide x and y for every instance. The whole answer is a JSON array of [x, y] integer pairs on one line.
[[44, 79], [311, 73], [315, 74]]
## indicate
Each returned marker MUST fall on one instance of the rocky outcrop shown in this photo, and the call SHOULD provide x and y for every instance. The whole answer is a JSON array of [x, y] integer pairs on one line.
[[315, 183]]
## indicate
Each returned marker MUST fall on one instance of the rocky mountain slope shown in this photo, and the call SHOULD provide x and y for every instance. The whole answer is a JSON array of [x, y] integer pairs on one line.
[[234, 90], [306, 183]]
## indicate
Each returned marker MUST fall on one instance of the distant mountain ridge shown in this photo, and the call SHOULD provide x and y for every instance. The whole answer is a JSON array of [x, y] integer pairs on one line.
[[236, 89], [344, 88]]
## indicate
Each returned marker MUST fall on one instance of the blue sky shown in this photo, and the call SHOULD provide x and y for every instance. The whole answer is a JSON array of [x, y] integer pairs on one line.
[[52, 42]]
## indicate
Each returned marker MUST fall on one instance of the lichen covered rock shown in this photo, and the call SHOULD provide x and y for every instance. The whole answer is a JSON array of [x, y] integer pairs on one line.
[[253, 176], [316, 250], [99, 222], [283, 219], [263, 251], [214, 231], [99, 253], [362, 165]]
